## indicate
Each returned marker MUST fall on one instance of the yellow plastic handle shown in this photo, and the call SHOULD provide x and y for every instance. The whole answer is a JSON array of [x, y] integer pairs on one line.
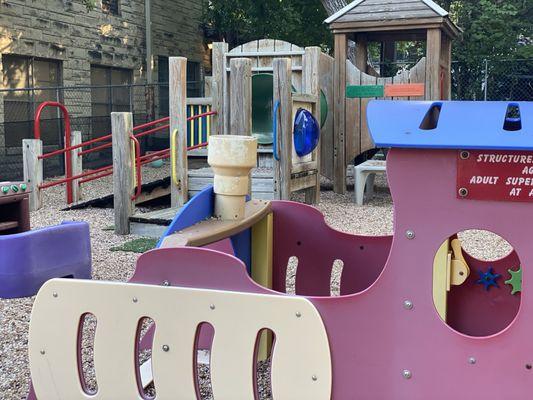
[[173, 157]]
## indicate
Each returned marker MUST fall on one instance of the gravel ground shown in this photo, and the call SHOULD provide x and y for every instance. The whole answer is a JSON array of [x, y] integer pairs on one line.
[[375, 218]]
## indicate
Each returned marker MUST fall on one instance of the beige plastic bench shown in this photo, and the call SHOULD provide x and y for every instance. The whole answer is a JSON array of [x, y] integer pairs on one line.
[[364, 175]]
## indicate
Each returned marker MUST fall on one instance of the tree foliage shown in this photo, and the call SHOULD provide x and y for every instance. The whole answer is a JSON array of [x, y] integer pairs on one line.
[[239, 21], [492, 28]]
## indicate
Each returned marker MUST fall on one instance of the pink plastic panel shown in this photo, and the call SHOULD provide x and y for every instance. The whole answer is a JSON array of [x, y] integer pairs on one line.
[[301, 231], [477, 312], [374, 339]]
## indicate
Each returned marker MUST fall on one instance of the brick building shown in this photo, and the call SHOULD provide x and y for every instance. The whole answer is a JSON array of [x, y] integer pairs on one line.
[[59, 44]]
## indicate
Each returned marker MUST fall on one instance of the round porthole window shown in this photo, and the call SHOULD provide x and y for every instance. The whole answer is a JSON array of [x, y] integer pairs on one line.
[[477, 283]]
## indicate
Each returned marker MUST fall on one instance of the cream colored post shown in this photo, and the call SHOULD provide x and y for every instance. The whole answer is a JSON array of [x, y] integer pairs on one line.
[[232, 158]]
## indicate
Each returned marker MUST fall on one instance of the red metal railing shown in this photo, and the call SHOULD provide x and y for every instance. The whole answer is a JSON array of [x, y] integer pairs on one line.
[[102, 172], [68, 156]]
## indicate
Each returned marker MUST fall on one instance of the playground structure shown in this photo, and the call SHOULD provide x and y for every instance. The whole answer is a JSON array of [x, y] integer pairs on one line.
[[281, 171], [335, 90], [246, 85], [391, 289], [74, 150], [384, 22], [30, 258]]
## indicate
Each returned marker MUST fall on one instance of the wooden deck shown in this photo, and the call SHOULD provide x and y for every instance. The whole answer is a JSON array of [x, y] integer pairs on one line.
[[262, 182], [157, 217]]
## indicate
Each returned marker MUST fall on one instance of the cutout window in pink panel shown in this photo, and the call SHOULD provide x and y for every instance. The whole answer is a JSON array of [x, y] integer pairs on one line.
[[477, 283]]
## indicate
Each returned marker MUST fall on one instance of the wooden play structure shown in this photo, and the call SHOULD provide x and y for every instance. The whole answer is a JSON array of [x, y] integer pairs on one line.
[[413, 307], [385, 22], [290, 78], [245, 105]]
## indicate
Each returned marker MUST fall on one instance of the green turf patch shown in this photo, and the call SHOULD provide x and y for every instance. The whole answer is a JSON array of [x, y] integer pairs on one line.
[[141, 245]]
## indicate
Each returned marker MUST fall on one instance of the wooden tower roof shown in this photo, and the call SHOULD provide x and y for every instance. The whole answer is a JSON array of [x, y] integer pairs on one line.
[[391, 15]]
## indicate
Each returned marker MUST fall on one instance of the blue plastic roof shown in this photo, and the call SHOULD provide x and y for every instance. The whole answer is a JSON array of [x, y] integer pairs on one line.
[[461, 125]]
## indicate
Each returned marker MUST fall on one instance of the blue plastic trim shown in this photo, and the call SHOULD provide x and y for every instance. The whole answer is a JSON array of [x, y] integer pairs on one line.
[[275, 130], [197, 209], [242, 247], [461, 125]]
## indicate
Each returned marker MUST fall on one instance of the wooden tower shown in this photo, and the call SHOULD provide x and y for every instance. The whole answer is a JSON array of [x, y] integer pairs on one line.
[[386, 22]]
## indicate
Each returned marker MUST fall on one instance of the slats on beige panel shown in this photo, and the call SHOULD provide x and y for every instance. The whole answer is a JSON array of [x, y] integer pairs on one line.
[[53, 339], [114, 360], [232, 361], [301, 363], [173, 350]]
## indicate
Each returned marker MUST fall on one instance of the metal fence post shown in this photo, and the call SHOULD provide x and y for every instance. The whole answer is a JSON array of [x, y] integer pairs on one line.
[[486, 78], [77, 164]]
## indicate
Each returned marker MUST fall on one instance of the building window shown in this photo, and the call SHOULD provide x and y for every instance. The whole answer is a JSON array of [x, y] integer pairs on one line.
[[30, 81], [195, 82], [111, 6], [110, 92], [194, 79]]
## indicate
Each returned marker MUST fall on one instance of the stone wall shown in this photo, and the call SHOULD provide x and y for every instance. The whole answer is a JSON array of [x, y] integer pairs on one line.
[[64, 30]]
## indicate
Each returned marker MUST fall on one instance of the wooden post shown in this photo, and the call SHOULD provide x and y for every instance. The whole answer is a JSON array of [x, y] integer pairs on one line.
[[32, 149], [433, 64], [218, 88], [446, 66], [311, 85], [388, 52], [178, 120], [240, 101], [283, 93], [77, 165], [241, 96], [123, 168], [339, 89], [361, 53]]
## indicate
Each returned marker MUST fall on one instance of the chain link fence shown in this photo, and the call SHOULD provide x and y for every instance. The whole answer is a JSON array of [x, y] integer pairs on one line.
[[90, 109], [498, 80]]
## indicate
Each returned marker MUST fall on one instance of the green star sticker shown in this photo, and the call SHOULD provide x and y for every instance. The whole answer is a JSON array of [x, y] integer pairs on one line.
[[515, 281]]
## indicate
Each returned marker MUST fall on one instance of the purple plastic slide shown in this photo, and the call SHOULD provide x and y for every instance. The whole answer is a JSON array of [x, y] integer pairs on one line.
[[31, 258]]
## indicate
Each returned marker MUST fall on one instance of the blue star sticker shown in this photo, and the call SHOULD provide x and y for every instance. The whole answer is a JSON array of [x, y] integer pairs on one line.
[[488, 279]]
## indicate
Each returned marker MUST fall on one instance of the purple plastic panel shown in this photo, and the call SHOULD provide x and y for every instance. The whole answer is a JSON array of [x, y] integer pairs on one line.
[[374, 338], [31, 258], [300, 230]]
